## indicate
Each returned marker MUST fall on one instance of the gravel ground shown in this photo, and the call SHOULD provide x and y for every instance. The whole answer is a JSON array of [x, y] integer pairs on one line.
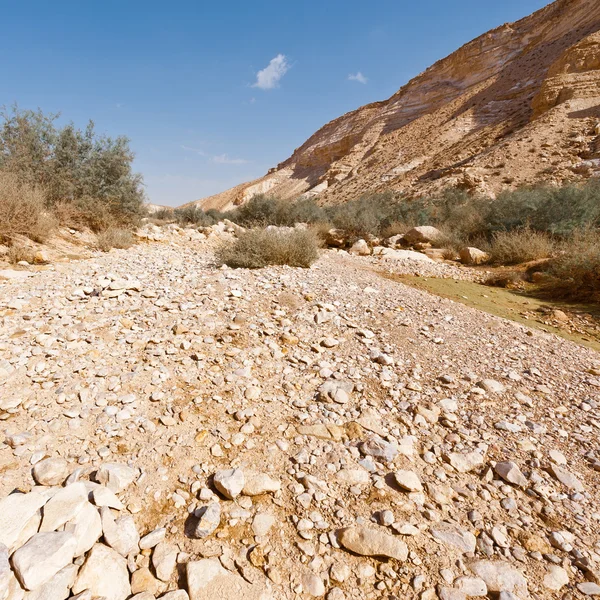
[[286, 433]]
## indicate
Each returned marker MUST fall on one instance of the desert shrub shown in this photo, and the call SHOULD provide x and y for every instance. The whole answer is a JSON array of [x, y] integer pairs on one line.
[[18, 252], [22, 210], [368, 216], [557, 210], [115, 237], [163, 214], [71, 165], [395, 228], [193, 215], [259, 248], [577, 268], [520, 246], [259, 211], [303, 210]]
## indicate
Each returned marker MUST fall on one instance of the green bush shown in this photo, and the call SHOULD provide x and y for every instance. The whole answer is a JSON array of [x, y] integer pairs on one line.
[[520, 246], [259, 248], [193, 215], [163, 214], [72, 166]]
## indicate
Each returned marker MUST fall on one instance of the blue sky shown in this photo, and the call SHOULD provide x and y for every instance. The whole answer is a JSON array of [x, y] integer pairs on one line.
[[212, 94]]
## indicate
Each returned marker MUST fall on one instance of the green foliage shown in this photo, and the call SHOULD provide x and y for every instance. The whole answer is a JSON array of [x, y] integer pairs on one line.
[[259, 248], [193, 215], [71, 166], [262, 210]]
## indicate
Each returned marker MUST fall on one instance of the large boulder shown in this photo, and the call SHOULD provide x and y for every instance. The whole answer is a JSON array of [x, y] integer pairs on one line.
[[391, 253], [473, 256], [422, 235], [360, 248]]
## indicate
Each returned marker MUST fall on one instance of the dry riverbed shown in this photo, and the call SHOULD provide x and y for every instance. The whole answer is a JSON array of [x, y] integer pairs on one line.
[[170, 429]]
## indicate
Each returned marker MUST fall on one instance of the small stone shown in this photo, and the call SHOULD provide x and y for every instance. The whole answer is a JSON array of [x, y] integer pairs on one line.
[[567, 479], [511, 473], [372, 542], [492, 386], [102, 496], [176, 595], [409, 481], [56, 588], [336, 391], [500, 576], [262, 523], [16, 512], [378, 448], [115, 476], [230, 482], [589, 588], [164, 560], [471, 586], [153, 538], [556, 578], [313, 585], [5, 572], [121, 534], [451, 535], [209, 518], [64, 506], [142, 580], [51, 471], [42, 557], [259, 483], [465, 462], [208, 580], [104, 574], [86, 526]]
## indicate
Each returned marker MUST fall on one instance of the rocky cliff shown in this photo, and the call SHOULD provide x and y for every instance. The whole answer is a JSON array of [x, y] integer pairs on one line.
[[518, 105]]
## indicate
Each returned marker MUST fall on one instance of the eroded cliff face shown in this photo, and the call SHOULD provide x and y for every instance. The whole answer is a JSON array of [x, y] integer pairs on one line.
[[518, 105]]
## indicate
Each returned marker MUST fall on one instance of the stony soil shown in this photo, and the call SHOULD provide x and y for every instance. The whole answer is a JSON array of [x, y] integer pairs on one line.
[[286, 433]]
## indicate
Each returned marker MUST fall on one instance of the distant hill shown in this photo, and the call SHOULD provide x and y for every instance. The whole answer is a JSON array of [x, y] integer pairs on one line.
[[518, 105]]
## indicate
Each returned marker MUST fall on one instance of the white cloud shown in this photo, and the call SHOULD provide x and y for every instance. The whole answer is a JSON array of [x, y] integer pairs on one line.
[[195, 150], [358, 77], [270, 76], [223, 159]]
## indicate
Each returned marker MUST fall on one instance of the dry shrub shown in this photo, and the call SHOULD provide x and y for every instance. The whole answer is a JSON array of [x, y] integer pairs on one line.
[[115, 237], [259, 248], [509, 279], [22, 209], [576, 271], [520, 246], [17, 253], [395, 228]]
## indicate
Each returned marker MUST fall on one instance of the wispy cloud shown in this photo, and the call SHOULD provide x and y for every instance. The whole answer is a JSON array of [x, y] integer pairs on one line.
[[358, 77], [269, 77], [224, 159], [194, 150]]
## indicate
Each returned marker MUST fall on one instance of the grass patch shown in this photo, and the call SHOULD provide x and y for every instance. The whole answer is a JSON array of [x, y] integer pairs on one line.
[[259, 248]]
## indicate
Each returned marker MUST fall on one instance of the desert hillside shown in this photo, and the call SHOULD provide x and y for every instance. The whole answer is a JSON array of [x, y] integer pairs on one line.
[[517, 105]]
